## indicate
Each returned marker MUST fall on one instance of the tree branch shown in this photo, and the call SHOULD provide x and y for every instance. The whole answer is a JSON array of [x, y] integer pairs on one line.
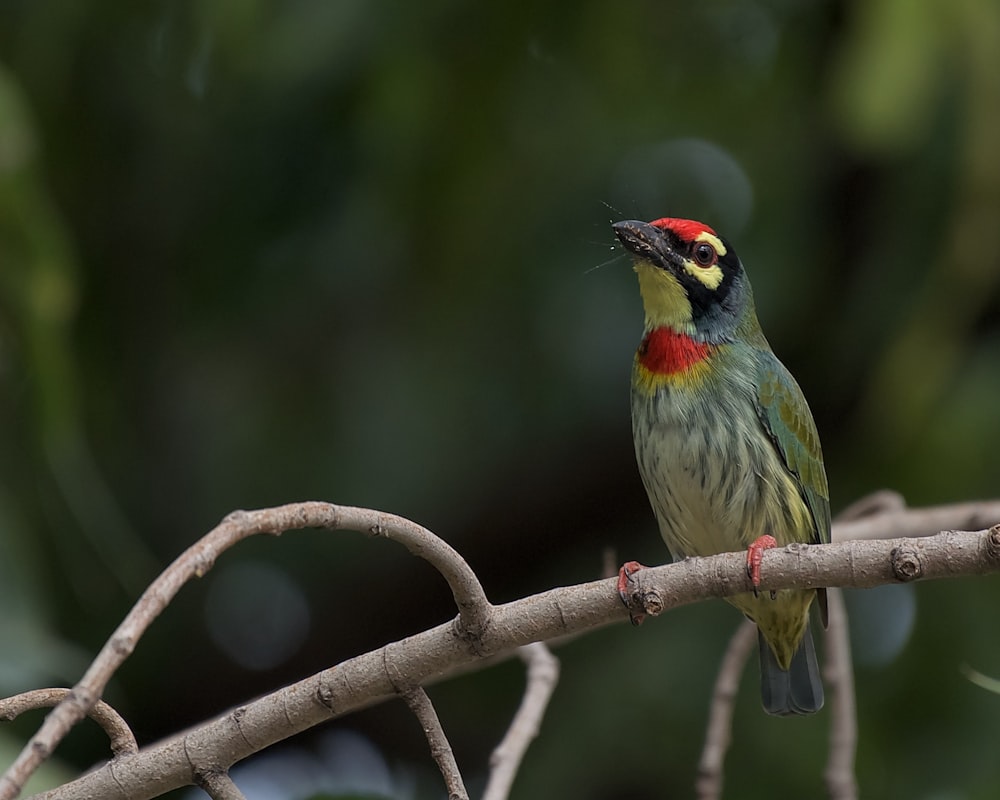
[[839, 671], [708, 785], [855, 563], [219, 786], [542, 677], [121, 736], [198, 559], [420, 704], [839, 674], [882, 516], [437, 653]]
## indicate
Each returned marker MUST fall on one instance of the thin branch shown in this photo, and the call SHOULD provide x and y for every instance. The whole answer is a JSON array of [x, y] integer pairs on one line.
[[470, 598], [121, 737], [198, 560], [916, 521], [542, 677], [219, 786], [434, 654], [977, 678], [839, 674], [708, 786], [420, 704], [838, 667], [881, 501]]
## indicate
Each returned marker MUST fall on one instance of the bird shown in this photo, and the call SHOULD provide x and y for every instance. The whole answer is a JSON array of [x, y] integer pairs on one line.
[[726, 445]]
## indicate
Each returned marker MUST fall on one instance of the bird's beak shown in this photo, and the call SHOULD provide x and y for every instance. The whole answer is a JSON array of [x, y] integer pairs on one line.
[[648, 243]]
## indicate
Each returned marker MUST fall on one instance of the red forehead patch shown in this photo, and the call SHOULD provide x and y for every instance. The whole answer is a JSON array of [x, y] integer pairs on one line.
[[687, 229]]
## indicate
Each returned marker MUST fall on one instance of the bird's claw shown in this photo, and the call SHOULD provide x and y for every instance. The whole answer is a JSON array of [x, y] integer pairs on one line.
[[755, 554], [628, 569]]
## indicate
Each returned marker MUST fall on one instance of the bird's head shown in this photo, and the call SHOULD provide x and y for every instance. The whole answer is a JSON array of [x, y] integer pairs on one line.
[[689, 277]]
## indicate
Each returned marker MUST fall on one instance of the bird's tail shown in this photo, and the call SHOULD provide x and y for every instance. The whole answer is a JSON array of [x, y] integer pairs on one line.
[[797, 690]]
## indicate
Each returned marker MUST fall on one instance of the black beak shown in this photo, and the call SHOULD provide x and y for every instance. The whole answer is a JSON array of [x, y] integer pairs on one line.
[[647, 242]]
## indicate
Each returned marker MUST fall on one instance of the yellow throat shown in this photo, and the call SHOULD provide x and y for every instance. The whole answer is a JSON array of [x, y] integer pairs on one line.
[[663, 299]]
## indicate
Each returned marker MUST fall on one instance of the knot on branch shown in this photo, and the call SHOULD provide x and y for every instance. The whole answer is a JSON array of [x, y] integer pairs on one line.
[[123, 645], [203, 562], [471, 633], [652, 602], [325, 694], [993, 543], [906, 564], [642, 601], [42, 748]]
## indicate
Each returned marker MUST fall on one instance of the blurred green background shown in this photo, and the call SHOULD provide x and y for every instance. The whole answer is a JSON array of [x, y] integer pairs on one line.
[[256, 252]]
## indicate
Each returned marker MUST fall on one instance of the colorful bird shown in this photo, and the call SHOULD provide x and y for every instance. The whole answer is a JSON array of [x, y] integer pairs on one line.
[[725, 442]]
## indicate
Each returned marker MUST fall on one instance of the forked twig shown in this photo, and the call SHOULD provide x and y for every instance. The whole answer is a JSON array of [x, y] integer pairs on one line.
[[442, 651], [436, 653], [198, 560]]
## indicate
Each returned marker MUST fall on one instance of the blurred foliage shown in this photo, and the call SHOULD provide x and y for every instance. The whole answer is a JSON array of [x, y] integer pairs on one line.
[[255, 252]]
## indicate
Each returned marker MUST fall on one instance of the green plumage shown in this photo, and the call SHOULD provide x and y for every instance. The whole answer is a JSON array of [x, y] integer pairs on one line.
[[785, 417], [725, 443]]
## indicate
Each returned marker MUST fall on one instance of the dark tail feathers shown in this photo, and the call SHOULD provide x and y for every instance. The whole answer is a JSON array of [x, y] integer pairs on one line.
[[797, 690]]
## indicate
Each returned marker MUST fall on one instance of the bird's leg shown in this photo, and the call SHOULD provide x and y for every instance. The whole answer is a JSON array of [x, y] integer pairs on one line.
[[755, 554], [628, 569]]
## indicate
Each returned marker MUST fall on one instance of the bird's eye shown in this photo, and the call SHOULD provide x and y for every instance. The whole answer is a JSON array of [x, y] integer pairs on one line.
[[704, 254]]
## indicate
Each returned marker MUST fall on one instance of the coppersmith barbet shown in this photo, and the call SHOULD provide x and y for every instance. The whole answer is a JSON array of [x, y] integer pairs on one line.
[[725, 442]]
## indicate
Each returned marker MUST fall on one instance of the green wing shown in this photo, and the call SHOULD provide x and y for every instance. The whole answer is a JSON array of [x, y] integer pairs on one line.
[[785, 416]]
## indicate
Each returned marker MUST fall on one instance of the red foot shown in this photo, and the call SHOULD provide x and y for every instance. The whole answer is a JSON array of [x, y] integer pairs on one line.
[[628, 569], [755, 554]]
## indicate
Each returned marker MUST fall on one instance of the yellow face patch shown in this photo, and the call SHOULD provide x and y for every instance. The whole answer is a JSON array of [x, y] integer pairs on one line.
[[710, 276], [663, 298]]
